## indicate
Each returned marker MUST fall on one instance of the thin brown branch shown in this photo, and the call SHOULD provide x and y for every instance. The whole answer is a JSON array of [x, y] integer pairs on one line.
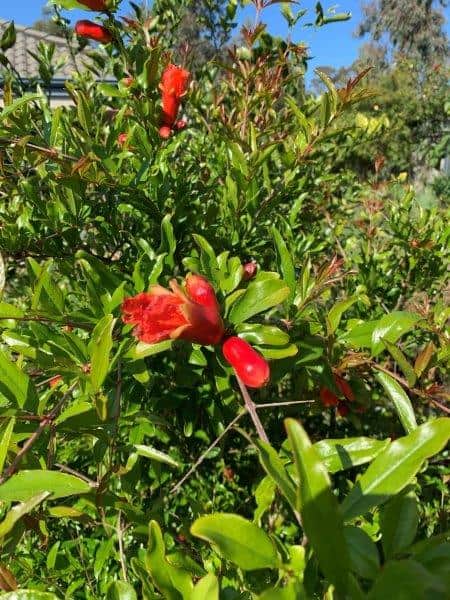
[[251, 409]]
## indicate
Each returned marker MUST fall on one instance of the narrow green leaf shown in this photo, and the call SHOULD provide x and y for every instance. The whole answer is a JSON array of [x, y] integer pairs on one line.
[[399, 520], [8, 311], [15, 385], [341, 454], [335, 314], [364, 557], [6, 434], [237, 540], [391, 327], [99, 350], [423, 358], [402, 361], [121, 590], [154, 454], [28, 595], [319, 509], [273, 466], [18, 511], [46, 293], [409, 579], [400, 400], [258, 297], [18, 103], [26, 484], [285, 263], [394, 467]]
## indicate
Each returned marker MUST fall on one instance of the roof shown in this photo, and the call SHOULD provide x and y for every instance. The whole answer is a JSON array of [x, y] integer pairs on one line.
[[28, 39]]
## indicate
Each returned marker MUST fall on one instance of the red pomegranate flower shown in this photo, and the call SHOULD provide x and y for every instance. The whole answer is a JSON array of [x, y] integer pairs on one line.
[[55, 380], [249, 365], [161, 314], [173, 86], [327, 397], [93, 31], [344, 387], [94, 4]]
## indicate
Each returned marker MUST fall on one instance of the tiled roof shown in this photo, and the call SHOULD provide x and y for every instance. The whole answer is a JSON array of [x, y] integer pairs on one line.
[[28, 39]]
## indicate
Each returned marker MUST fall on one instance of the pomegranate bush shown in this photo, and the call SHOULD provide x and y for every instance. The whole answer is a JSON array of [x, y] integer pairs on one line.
[[222, 354]]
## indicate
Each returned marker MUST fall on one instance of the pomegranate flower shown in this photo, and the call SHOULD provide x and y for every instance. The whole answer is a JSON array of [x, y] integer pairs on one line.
[[162, 314], [94, 4], [93, 31], [327, 397], [173, 87], [248, 364]]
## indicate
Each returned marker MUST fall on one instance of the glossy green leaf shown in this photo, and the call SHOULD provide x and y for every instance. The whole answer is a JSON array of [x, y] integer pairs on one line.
[[402, 362], [335, 314], [99, 350], [5, 439], [341, 454], [154, 454], [359, 336], [237, 540], [319, 509], [395, 466], [15, 385], [262, 335], [409, 579], [28, 595], [121, 590], [9, 311], [273, 466], [174, 583], [46, 293], [391, 327], [26, 484], [206, 588], [399, 519], [258, 297], [364, 557], [400, 401], [18, 511], [142, 350], [285, 263]]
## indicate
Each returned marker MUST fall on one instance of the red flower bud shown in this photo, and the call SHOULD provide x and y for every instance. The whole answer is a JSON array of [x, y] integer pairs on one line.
[[122, 139], [128, 81], [344, 387], [173, 86], [328, 398], [89, 29], [94, 4], [250, 269], [248, 364], [54, 381]]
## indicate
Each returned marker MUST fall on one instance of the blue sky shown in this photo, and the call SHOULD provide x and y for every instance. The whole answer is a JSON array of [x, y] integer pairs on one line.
[[332, 45]]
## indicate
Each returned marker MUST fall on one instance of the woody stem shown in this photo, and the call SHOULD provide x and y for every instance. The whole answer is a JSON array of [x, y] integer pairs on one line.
[[251, 409]]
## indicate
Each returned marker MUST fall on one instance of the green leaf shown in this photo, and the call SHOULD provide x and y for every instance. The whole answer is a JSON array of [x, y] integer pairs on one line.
[[402, 362], [399, 520], [28, 595], [8, 311], [400, 400], [5, 433], [262, 335], [154, 454], [394, 467], [174, 583], [359, 336], [18, 103], [258, 297], [336, 312], [142, 350], [208, 259], [2, 278], [408, 580], [292, 591], [8, 38], [237, 540], [15, 385], [99, 350], [364, 557], [26, 484], [321, 519], [273, 466], [423, 358], [46, 293], [18, 511], [121, 590], [207, 588], [69, 4], [341, 454], [391, 327], [286, 266]]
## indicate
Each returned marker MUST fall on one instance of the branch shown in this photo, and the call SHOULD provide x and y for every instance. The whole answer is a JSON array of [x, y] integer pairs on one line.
[[251, 409]]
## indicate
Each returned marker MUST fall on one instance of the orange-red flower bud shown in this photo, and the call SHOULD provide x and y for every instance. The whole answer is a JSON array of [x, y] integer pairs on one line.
[[54, 381], [173, 86], [93, 31], [162, 314], [250, 269], [328, 398], [94, 4], [248, 364], [344, 387], [122, 139]]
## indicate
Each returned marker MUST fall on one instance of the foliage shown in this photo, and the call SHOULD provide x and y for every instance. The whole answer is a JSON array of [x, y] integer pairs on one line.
[[137, 470]]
